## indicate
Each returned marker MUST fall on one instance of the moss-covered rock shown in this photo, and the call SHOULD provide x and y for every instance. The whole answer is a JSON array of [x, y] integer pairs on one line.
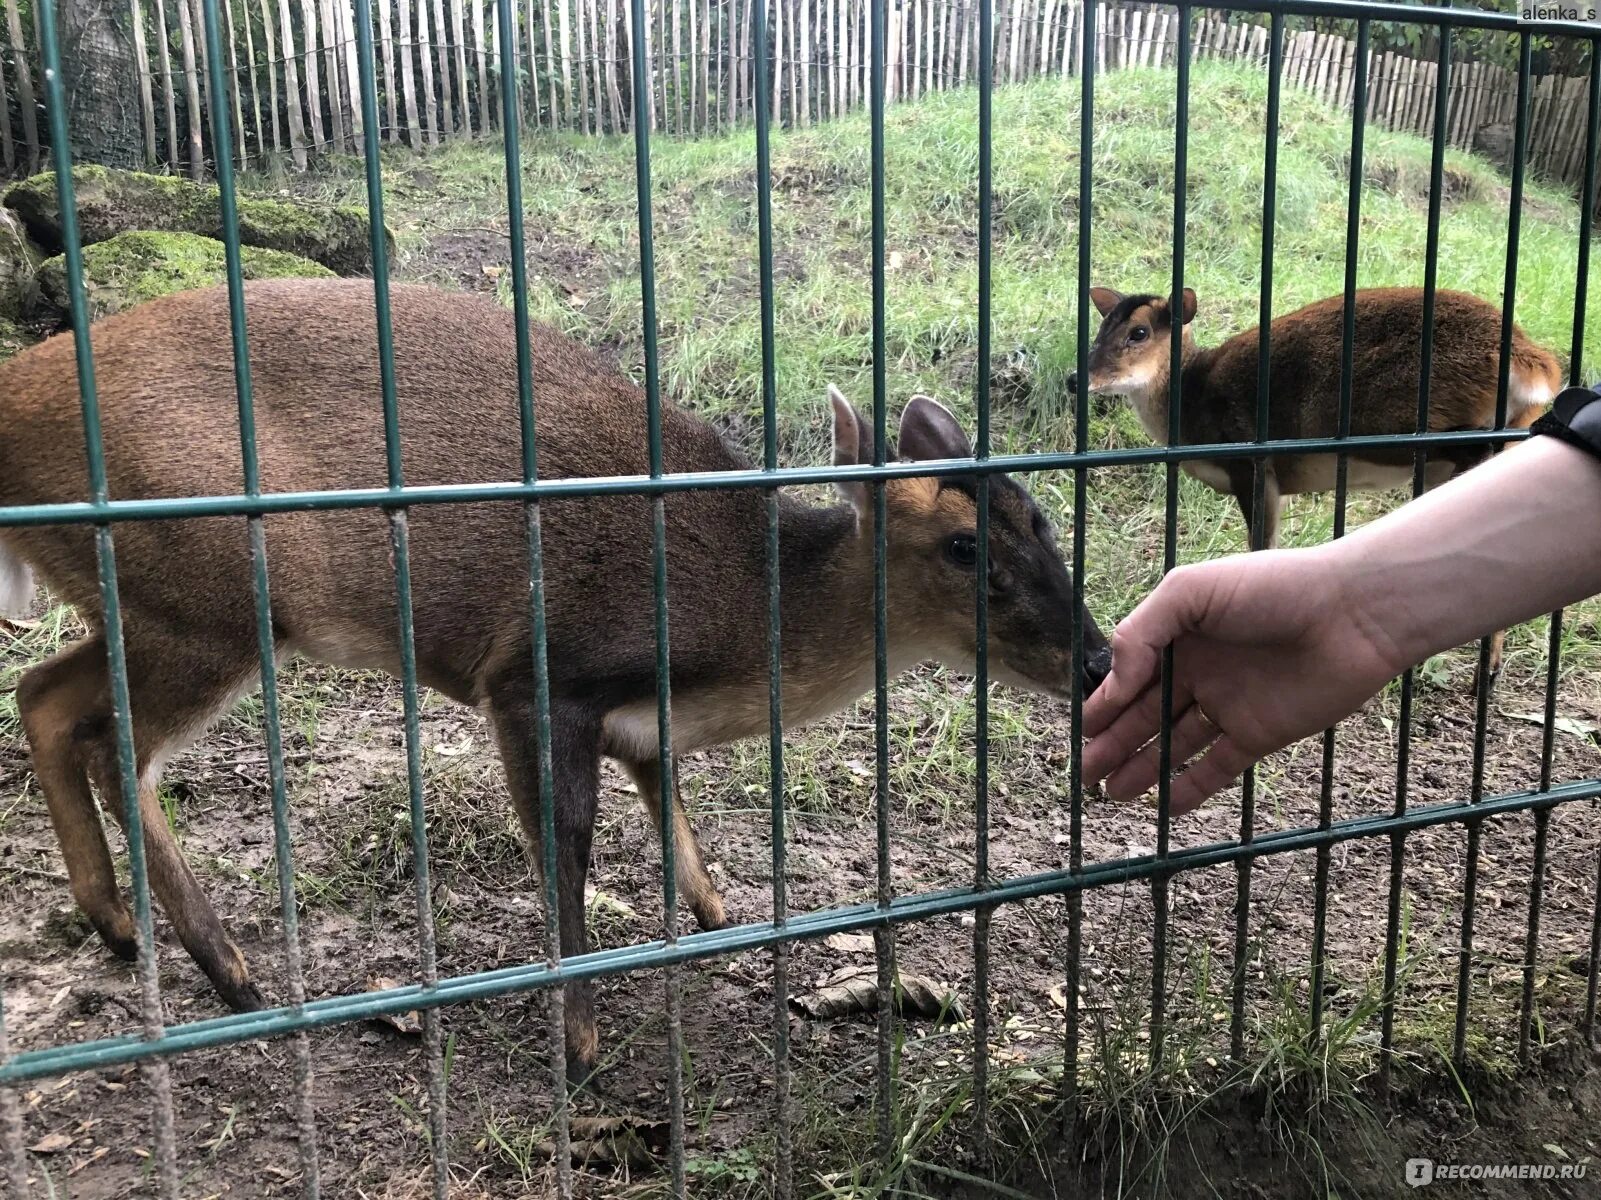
[[19, 259], [124, 270], [14, 339], [111, 202]]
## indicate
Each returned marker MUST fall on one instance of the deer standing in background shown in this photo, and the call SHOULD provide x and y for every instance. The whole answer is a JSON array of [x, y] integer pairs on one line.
[[1132, 356], [168, 406]]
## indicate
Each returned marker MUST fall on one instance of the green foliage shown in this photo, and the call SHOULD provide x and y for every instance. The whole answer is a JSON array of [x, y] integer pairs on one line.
[[111, 202], [133, 267]]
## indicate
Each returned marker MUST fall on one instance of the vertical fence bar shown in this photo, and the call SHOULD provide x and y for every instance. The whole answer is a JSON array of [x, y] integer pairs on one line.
[[1259, 501], [154, 1070], [16, 1161], [981, 915], [883, 938], [783, 1151], [400, 548], [664, 730], [555, 1007], [1175, 426], [266, 644], [1403, 742], [1081, 437], [1484, 681], [1353, 228], [1592, 142]]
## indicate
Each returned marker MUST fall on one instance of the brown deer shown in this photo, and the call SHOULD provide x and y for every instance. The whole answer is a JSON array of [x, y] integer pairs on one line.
[[167, 400], [1132, 356]]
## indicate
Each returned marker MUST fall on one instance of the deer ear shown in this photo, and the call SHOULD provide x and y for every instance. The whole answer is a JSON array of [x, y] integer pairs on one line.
[[852, 445], [929, 430], [1105, 299], [1188, 307]]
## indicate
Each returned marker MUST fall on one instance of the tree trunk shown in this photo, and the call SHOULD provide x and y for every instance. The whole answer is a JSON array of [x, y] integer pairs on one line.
[[408, 53], [292, 103], [308, 29], [147, 103], [269, 38], [241, 149], [191, 83], [98, 64], [386, 42], [164, 68], [255, 83], [8, 150]]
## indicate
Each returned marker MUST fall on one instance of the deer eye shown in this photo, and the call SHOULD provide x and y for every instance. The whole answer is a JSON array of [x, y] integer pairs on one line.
[[1138, 334], [962, 550]]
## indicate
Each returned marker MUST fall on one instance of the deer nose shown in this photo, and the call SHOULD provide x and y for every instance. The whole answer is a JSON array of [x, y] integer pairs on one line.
[[1097, 666], [1072, 383]]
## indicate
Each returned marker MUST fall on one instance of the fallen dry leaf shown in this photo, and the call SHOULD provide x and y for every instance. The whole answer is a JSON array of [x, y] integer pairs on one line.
[[51, 1143], [408, 1023], [856, 990], [1571, 726], [615, 1141], [849, 943]]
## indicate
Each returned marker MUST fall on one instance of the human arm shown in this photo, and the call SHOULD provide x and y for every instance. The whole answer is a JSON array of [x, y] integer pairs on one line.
[[1274, 646]]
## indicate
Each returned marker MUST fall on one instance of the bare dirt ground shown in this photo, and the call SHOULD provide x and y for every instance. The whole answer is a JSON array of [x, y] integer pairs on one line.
[[347, 781]]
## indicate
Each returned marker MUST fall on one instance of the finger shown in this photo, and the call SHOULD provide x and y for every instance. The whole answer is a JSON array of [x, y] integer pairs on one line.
[[1177, 604], [1222, 765], [1192, 733], [1135, 667], [1134, 726]]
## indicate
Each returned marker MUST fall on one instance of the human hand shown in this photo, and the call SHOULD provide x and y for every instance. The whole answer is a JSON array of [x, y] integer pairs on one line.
[[1267, 649]]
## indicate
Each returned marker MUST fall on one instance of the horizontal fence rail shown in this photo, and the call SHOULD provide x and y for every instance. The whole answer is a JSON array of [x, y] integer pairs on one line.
[[366, 110]]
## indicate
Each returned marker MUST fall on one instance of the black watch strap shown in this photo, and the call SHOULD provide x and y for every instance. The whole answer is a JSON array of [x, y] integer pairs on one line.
[[1575, 418]]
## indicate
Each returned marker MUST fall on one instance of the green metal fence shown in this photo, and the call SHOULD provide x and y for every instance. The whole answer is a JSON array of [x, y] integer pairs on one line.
[[156, 1041]]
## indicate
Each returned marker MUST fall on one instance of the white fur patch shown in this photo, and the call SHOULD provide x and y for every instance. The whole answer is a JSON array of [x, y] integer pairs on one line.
[[16, 584]]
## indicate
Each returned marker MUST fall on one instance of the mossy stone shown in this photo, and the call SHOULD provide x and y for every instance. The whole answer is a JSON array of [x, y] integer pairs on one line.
[[19, 259], [132, 267], [111, 202]]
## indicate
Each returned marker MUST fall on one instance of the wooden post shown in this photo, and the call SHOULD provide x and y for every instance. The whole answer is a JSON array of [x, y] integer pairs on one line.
[[392, 103], [197, 155], [292, 110], [447, 108], [803, 63], [255, 85], [700, 63], [330, 42], [564, 35], [458, 29], [614, 92], [583, 75], [241, 149], [163, 67], [408, 74], [347, 25], [425, 63], [147, 102], [8, 150], [386, 48], [776, 28]]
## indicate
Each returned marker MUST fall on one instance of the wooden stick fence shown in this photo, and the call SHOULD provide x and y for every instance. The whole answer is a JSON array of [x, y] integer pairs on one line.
[[293, 83]]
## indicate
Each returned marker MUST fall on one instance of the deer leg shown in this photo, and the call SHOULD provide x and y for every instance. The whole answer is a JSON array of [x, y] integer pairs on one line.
[[1242, 481], [55, 699], [575, 764], [66, 704], [173, 694], [690, 869]]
